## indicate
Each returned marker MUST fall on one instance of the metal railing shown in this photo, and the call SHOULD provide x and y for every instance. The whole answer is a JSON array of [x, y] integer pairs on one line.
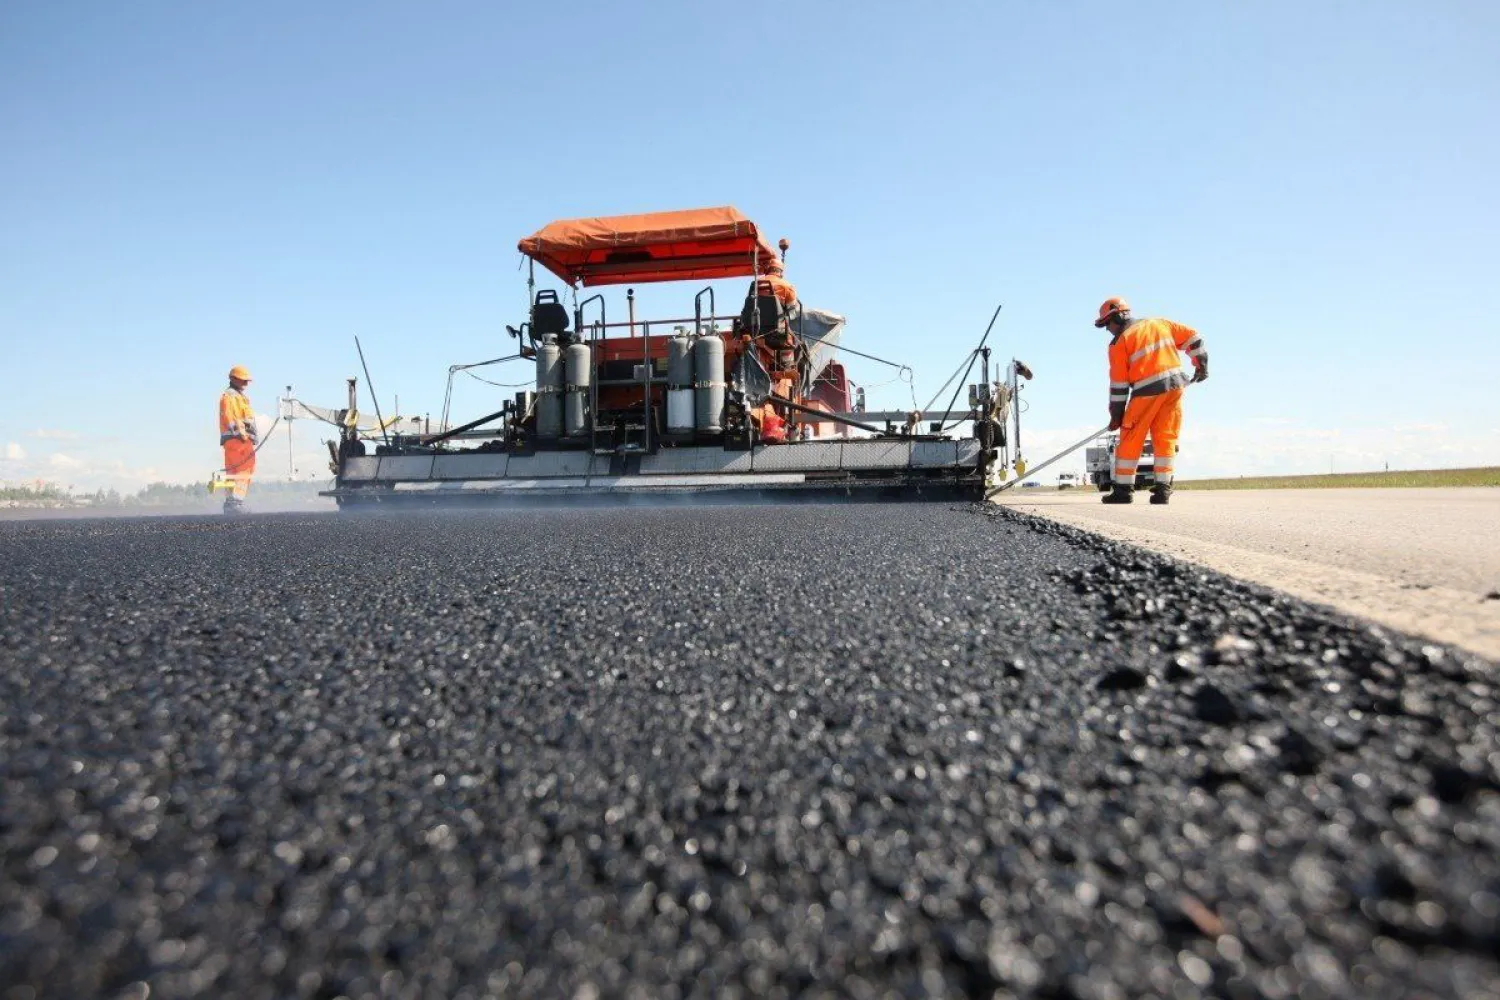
[[683, 321]]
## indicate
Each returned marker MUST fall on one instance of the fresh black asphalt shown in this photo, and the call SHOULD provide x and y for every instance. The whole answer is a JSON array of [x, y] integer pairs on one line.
[[851, 750]]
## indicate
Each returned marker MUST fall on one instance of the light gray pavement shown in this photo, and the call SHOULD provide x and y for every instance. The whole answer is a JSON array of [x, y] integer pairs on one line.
[[1421, 560]]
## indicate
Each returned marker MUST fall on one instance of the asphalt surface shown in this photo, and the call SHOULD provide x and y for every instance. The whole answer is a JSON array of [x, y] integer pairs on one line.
[[858, 751]]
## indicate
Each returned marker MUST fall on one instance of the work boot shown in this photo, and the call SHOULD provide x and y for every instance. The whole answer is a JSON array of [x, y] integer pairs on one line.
[[1120, 494], [1161, 493]]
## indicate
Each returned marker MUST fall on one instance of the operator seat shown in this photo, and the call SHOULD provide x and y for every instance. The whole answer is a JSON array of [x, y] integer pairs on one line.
[[763, 313], [549, 316]]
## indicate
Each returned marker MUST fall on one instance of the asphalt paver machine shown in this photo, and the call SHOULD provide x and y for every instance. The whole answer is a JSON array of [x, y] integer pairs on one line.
[[752, 401]]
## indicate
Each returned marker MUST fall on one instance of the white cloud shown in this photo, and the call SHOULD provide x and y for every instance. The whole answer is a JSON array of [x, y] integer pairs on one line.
[[53, 434], [78, 468]]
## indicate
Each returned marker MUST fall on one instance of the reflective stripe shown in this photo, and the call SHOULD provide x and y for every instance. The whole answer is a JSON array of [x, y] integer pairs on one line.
[[1172, 378], [1119, 385], [1119, 394], [1152, 348], [1158, 377], [1126, 463]]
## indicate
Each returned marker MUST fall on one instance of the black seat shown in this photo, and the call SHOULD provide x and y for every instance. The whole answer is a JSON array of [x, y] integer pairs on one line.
[[763, 306], [548, 315]]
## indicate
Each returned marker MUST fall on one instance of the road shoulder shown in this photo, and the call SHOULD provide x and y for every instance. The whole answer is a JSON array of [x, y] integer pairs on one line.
[[1442, 614]]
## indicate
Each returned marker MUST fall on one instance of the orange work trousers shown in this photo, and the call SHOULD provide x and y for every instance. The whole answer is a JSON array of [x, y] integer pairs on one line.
[[1161, 417], [239, 464]]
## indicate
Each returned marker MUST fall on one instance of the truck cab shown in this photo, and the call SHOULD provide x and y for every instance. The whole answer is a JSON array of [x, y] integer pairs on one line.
[[1099, 462]]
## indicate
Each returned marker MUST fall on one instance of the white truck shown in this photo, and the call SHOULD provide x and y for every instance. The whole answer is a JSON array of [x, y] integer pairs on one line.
[[1099, 461]]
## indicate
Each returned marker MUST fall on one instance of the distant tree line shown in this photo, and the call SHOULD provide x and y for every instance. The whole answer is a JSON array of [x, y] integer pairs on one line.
[[41, 492], [151, 495]]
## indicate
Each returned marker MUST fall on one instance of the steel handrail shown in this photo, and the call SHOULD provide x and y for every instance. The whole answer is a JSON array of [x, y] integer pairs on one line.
[[698, 310], [593, 382], [646, 381], [680, 320]]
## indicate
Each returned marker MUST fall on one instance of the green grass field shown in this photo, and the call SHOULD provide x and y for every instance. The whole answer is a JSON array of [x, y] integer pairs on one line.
[[1487, 476]]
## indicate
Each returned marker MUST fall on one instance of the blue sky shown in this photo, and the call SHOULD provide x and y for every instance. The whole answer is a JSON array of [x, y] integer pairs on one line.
[[188, 186]]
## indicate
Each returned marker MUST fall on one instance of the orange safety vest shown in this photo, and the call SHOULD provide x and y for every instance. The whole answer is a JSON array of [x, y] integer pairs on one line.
[[784, 290], [1143, 359], [236, 418]]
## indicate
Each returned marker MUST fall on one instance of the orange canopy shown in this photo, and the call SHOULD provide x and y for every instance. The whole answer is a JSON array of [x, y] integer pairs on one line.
[[701, 243]]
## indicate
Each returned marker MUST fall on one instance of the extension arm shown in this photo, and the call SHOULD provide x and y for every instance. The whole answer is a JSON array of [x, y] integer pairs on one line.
[[1060, 455]]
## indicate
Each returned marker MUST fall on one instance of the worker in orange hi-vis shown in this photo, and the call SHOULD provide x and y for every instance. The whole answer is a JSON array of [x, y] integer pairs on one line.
[[774, 272], [1146, 379], [237, 436]]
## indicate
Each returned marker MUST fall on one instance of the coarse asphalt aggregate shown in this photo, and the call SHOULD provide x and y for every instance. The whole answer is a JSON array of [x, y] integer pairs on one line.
[[855, 750]]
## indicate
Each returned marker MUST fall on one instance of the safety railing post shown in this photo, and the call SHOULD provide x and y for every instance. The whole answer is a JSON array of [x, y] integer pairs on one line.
[[596, 333], [698, 310], [646, 383]]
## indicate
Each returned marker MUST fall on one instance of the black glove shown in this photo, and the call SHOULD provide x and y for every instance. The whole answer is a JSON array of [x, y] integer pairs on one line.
[[1115, 423], [1201, 373]]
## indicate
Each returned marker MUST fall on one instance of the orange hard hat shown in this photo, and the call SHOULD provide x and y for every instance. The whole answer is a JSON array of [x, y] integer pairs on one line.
[[1109, 308], [240, 372]]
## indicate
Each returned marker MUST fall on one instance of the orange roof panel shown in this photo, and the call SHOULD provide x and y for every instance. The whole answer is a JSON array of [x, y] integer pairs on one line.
[[696, 243]]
